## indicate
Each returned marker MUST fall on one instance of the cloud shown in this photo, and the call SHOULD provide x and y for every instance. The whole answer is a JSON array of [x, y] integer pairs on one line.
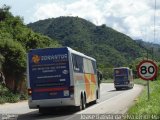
[[49, 10], [83, 8], [134, 18]]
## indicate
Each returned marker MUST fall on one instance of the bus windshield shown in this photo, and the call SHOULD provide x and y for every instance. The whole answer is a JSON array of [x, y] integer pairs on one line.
[[121, 74]]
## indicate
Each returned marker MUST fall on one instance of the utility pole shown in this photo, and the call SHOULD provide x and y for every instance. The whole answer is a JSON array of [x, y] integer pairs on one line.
[[155, 7]]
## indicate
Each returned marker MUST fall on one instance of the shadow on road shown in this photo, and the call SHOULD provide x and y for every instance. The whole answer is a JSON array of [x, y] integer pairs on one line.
[[122, 89], [53, 114], [111, 90], [49, 114]]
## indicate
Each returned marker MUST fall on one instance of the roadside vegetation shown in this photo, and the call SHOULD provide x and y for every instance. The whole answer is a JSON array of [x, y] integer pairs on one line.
[[136, 81], [140, 81], [16, 39], [7, 95], [143, 106], [107, 81]]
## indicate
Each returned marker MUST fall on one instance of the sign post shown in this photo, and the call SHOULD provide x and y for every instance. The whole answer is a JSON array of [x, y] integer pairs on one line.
[[147, 70], [148, 91]]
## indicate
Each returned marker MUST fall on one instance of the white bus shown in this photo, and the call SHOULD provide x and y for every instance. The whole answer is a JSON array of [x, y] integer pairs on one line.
[[61, 77]]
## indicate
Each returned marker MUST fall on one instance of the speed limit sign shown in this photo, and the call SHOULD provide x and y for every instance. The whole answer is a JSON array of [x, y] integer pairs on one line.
[[147, 70]]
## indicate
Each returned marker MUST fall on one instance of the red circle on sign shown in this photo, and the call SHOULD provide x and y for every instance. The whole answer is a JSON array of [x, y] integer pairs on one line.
[[145, 62]]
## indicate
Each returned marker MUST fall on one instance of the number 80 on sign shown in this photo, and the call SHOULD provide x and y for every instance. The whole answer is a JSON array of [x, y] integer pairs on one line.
[[147, 70]]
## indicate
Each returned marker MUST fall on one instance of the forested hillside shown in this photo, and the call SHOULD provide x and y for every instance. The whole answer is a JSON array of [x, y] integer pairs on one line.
[[15, 41], [109, 47], [151, 47]]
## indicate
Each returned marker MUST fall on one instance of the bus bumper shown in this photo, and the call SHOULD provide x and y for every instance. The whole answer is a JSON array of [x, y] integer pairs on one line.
[[121, 86], [33, 104]]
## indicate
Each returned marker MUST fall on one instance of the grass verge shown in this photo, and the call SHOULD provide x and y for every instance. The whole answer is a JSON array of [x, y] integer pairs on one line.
[[143, 106], [107, 81]]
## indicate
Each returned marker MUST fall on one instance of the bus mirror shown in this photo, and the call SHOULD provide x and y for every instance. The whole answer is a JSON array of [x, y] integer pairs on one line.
[[99, 75]]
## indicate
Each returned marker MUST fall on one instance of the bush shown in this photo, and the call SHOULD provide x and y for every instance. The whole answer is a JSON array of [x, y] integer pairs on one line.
[[8, 96], [23, 96], [12, 98], [2, 100]]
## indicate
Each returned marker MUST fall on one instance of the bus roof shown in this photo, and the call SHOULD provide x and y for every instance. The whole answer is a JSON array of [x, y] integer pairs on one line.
[[80, 54], [71, 50], [122, 68]]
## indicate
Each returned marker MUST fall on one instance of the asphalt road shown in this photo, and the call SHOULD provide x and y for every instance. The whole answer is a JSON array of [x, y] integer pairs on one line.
[[110, 102]]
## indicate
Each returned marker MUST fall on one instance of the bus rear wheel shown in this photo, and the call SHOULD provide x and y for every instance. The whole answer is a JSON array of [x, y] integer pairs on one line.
[[118, 88], [82, 103], [43, 110]]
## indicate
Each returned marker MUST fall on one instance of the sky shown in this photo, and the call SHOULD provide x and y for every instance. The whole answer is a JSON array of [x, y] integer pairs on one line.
[[134, 18]]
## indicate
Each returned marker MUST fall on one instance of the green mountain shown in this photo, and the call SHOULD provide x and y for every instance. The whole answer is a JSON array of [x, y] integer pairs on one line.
[[153, 48], [109, 47]]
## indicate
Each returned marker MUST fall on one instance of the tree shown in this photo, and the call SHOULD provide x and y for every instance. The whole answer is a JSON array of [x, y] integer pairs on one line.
[[1, 61], [15, 40], [15, 60], [4, 12]]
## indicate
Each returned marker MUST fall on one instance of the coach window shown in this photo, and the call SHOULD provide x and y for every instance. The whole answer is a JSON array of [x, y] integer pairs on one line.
[[129, 72], [94, 66], [88, 66], [77, 63]]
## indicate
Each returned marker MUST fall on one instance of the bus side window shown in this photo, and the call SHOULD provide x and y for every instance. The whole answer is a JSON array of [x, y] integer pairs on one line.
[[94, 67], [88, 66], [77, 63], [129, 72]]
